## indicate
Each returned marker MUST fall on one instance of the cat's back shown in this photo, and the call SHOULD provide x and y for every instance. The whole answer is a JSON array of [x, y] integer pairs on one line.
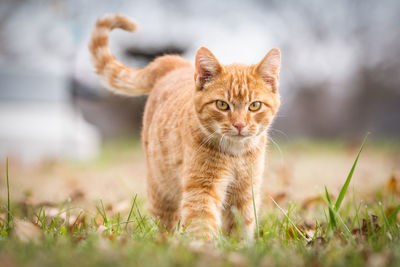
[[168, 105], [170, 94], [173, 87]]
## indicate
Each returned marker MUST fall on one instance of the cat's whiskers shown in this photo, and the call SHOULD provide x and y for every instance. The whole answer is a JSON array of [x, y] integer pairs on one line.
[[279, 131], [206, 140], [225, 143], [220, 142], [279, 149]]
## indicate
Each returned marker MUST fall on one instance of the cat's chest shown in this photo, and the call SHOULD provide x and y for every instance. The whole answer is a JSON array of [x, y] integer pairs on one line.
[[246, 166], [240, 167]]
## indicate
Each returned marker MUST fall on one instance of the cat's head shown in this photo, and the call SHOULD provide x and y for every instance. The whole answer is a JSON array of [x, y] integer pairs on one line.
[[236, 101]]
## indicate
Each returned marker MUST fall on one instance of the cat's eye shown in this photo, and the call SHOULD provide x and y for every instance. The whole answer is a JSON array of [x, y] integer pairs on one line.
[[222, 105], [255, 106]]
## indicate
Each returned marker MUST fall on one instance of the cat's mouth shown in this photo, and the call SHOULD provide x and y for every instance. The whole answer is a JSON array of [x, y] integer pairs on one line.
[[239, 136]]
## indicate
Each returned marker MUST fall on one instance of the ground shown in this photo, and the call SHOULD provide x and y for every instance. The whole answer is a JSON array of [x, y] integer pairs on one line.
[[94, 213]]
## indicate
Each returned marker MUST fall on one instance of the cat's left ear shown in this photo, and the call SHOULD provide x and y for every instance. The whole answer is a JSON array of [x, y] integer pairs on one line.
[[268, 68], [207, 67]]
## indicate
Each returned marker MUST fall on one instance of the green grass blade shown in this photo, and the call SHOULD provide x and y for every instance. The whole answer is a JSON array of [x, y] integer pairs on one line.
[[332, 219], [392, 216], [346, 184], [8, 199], [141, 219], [76, 220], [131, 210], [293, 224], [102, 212], [347, 231], [357, 211], [254, 203]]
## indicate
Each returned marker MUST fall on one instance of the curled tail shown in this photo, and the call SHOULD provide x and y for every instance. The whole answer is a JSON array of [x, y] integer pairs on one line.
[[120, 78]]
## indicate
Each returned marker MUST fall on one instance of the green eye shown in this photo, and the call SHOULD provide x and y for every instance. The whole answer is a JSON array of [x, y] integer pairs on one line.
[[222, 105], [255, 106]]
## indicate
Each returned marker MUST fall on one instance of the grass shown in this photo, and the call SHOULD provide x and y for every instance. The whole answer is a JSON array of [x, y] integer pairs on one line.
[[8, 228], [254, 204], [330, 233], [333, 210]]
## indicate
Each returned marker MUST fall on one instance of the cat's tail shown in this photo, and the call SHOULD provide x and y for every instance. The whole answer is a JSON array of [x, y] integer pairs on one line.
[[118, 77]]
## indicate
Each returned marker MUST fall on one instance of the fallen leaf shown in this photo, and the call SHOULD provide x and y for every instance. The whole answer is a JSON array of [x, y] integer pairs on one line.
[[73, 217], [392, 185], [77, 195], [51, 212], [278, 197], [99, 219], [27, 231], [101, 229], [310, 201], [292, 231], [367, 227], [79, 238]]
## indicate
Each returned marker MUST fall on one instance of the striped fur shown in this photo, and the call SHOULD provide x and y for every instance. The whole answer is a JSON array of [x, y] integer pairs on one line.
[[118, 77], [198, 165]]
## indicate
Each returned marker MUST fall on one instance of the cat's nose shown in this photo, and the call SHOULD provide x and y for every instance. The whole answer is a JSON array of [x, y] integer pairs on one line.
[[239, 125]]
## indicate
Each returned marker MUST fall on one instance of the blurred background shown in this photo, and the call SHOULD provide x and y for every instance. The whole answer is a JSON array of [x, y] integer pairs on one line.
[[340, 78]]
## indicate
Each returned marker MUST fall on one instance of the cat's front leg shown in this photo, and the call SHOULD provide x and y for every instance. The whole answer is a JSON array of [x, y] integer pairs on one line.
[[240, 196], [203, 195], [246, 208]]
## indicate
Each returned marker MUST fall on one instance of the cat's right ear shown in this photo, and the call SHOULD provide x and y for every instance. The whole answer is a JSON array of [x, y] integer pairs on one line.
[[268, 68], [207, 67]]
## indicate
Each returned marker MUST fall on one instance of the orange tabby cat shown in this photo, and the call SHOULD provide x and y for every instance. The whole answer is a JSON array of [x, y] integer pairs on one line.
[[204, 130]]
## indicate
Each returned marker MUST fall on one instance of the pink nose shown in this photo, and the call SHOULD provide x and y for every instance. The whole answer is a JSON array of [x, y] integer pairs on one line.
[[239, 125]]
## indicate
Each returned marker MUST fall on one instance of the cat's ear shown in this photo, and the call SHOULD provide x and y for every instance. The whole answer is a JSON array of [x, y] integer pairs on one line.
[[207, 67], [268, 68]]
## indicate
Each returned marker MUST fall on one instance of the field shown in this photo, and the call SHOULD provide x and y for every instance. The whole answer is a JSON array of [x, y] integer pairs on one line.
[[64, 213]]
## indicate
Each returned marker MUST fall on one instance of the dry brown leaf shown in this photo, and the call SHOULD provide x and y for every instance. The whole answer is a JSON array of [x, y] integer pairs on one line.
[[292, 231], [367, 227], [310, 201], [99, 219], [392, 185], [101, 229], [51, 212], [72, 217], [79, 238], [27, 231], [390, 210], [78, 221], [278, 197], [77, 195]]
